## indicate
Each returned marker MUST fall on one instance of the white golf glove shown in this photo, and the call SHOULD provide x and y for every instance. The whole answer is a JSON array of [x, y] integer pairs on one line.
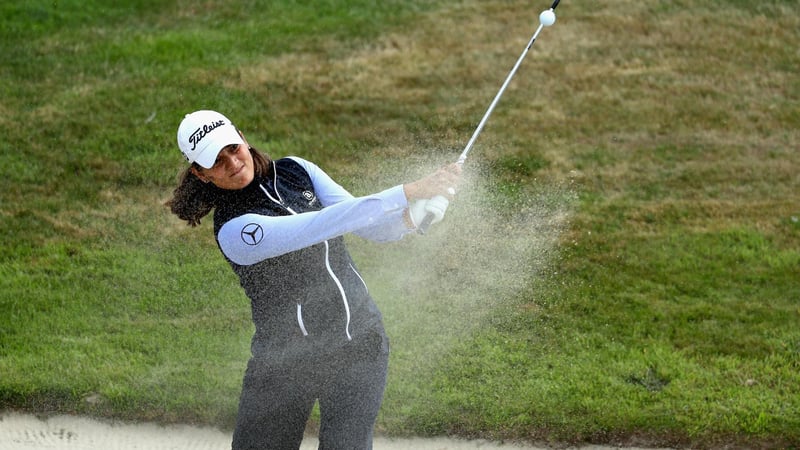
[[421, 208]]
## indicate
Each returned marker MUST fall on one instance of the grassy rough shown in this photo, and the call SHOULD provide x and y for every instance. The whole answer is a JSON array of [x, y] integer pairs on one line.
[[621, 267]]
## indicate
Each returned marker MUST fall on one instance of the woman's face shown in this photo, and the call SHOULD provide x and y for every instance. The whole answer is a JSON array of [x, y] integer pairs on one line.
[[232, 170]]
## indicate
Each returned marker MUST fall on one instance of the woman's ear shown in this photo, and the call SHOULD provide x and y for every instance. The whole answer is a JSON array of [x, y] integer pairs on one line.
[[199, 174]]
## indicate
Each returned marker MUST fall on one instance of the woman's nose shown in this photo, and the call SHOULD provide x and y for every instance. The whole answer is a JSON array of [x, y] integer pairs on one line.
[[228, 160]]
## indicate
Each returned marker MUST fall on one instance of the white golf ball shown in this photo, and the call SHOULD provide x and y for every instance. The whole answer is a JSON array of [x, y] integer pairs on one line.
[[547, 17]]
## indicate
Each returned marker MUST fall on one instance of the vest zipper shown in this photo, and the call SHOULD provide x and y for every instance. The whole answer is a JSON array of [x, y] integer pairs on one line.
[[333, 276], [341, 291]]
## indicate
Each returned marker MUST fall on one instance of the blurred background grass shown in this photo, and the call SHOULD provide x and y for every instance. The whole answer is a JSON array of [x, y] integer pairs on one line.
[[622, 267]]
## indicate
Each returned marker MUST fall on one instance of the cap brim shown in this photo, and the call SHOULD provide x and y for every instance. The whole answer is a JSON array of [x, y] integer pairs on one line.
[[208, 156], [221, 139]]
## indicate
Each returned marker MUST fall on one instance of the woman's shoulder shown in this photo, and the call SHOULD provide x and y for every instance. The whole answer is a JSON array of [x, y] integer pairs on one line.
[[295, 161], [295, 167]]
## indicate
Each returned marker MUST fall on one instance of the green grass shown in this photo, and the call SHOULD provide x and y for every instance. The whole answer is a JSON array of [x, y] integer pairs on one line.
[[622, 266]]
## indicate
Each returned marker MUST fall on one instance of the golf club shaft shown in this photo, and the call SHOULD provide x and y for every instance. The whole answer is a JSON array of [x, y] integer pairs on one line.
[[468, 147], [485, 118], [426, 222]]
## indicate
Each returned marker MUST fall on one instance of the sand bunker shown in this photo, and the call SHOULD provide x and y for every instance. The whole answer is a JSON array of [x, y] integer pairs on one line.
[[26, 432]]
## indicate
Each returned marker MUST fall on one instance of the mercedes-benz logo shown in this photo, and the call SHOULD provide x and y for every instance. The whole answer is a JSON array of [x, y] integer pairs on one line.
[[252, 234]]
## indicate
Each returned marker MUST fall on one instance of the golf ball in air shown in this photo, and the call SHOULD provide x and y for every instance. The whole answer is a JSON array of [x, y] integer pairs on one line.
[[547, 17]]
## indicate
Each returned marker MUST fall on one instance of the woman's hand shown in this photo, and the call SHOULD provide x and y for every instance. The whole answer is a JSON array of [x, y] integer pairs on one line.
[[442, 182]]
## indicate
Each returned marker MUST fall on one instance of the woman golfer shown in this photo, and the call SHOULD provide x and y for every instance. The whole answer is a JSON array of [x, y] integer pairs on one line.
[[318, 334]]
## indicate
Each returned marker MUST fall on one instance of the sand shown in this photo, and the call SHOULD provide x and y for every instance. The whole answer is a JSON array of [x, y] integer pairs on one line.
[[27, 432]]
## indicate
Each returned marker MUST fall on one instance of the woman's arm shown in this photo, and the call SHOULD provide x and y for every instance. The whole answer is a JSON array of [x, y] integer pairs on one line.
[[387, 228], [251, 238], [381, 217]]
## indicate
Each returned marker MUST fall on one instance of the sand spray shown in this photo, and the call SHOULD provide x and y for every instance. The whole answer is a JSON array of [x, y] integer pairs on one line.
[[437, 289]]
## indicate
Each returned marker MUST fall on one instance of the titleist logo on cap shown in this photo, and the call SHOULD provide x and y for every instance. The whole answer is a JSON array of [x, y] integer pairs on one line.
[[200, 133]]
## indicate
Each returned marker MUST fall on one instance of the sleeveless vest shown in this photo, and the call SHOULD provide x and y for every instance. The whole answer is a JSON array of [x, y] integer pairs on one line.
[[312, 295]]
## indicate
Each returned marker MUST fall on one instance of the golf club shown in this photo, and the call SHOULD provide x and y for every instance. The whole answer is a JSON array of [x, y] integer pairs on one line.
[[546, 19]]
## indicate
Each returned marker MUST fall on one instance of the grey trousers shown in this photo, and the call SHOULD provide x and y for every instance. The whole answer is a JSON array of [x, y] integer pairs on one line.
[[278, 396]]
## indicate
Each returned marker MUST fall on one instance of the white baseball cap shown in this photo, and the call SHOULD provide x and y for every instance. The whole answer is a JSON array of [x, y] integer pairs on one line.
[[202, 134]]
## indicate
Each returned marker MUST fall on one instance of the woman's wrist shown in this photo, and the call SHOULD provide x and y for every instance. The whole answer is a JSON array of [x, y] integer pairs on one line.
[[407, 220], [411, 190]]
